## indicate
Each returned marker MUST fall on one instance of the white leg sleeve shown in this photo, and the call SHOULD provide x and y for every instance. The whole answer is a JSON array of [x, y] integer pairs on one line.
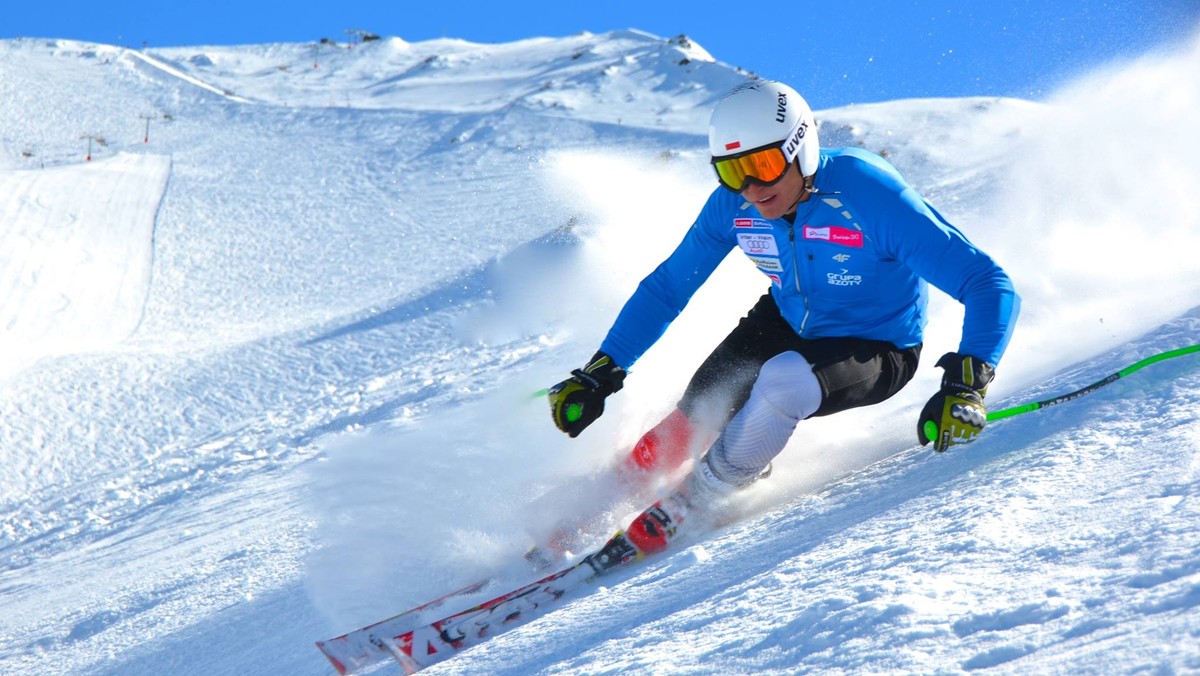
[[785, 393]]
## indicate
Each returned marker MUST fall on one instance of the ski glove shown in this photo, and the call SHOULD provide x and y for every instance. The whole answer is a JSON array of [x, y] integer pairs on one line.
[[956, 414], [578, 401]]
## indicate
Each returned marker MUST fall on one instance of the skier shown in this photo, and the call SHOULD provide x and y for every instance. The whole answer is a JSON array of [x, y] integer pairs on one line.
[[848, 247]]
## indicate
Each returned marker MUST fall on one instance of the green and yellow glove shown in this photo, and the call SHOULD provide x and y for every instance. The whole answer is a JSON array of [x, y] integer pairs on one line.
[[578, 401], [956, 414]]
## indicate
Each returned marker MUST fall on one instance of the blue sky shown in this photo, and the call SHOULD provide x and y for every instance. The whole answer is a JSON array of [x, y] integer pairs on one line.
[[835, 53]]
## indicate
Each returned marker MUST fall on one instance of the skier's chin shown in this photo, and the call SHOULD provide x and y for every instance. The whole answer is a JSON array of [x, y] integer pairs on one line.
[[770, 207]]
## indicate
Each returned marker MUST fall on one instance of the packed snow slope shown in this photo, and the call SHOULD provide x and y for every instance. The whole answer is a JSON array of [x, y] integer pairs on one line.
[[268, 360]]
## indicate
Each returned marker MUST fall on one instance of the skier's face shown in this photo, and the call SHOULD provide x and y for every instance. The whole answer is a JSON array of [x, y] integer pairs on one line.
[[780, 199]]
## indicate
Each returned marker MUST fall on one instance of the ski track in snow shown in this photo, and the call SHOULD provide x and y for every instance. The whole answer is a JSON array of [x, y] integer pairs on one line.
[[80, 245], [277, 364]]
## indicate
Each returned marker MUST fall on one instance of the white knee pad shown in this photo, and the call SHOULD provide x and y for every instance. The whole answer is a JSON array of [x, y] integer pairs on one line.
[[786, 392], [787, 384]]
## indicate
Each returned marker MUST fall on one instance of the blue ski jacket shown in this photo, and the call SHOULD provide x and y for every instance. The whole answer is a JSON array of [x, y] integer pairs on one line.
[[854, 263]]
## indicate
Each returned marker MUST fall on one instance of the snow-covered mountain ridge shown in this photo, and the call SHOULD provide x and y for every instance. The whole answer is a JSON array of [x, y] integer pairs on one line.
[[266, 375], [581, 76]]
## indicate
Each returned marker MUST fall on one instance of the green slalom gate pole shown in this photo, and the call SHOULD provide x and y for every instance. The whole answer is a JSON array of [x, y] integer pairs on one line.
[[1025, 408]]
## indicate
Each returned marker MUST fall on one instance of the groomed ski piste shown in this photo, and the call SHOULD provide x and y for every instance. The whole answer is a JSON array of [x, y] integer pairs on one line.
[[268, 377]]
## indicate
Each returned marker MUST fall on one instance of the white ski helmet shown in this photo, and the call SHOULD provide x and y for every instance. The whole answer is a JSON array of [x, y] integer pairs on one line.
[[760, 113]]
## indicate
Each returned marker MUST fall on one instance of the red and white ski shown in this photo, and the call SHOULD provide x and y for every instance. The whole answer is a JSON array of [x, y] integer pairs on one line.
[[343, 650], [415, 645]]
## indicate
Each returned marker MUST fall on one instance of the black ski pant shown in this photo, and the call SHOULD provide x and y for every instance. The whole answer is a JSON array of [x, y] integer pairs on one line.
[[852, 372]]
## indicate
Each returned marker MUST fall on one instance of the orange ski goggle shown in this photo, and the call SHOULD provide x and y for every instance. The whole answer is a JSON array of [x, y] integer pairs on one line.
[[765, 165]]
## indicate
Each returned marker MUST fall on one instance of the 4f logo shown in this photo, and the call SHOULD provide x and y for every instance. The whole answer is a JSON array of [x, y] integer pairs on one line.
[[841, 258]]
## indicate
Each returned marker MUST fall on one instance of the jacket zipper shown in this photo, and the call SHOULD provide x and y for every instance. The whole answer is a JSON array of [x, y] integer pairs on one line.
[[796, 275]]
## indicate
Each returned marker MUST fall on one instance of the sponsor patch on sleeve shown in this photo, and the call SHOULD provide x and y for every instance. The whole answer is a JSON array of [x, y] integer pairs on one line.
[[834, 235]]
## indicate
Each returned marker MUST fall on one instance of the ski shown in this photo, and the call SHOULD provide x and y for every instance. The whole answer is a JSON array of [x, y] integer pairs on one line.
[[345, 651], [440, 640], [340, 650], [414, 644]]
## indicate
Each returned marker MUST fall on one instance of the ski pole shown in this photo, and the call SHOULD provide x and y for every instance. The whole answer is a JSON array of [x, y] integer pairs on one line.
[[1033, 406]]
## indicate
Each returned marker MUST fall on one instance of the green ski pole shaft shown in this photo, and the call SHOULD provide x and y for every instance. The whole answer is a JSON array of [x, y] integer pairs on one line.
[[1033, 406], [1062, 398]]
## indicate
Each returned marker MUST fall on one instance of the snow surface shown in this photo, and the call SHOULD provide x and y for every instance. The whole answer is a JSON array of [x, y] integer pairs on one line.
[[268, 376]]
